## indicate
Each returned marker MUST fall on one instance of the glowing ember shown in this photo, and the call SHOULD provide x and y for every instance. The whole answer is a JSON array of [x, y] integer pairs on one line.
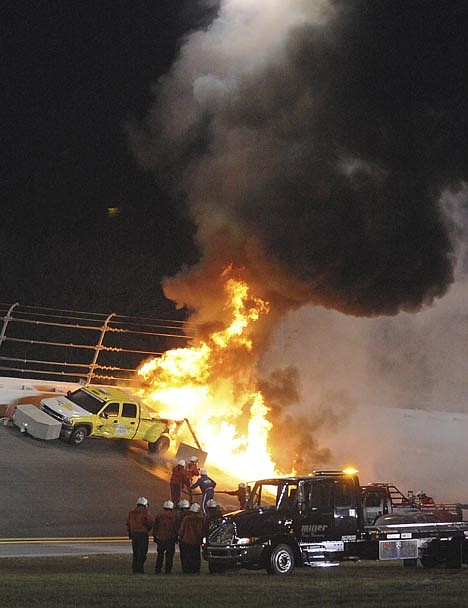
[[212, 383]]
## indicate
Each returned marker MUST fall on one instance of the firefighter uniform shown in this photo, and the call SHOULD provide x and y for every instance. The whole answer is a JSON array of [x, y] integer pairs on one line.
[[191, 471], [191, 533], [241, 494], [207, 486], [177, 479], [165, 535], [139, 524]]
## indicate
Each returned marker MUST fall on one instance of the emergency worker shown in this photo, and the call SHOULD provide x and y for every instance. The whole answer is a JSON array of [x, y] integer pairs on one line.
[[207, 486], [424, 499], [184, 507], [191, 533], [213, 512], [165, 536], [241, 494], [191, 471], [177, 479], [139, 524]]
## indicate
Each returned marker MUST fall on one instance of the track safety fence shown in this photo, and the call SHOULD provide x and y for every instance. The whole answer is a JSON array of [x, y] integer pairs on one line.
[[79, 346]]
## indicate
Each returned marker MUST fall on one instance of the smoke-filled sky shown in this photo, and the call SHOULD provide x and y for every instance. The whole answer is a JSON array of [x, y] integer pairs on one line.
[[313, 140], [319, 144]]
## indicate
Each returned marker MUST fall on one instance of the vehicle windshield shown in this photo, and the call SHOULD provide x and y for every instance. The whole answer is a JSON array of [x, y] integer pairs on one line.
[[279, 493], [86, 401]]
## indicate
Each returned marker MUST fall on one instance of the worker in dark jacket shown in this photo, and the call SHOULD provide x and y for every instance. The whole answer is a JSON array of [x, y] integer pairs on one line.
[[207, 486], [176, 481], [213, 512], [184, 507], [191, 533], [139, 524], [165, 536]]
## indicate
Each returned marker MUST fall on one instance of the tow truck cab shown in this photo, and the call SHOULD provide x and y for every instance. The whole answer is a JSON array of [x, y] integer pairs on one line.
[[327, 518], [290, 521]]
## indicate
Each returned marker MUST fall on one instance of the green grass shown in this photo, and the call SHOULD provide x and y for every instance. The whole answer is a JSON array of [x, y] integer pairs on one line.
[[107, 581]]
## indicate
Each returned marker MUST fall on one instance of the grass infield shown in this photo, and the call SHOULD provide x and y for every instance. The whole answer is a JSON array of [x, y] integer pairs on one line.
[[106, 580]]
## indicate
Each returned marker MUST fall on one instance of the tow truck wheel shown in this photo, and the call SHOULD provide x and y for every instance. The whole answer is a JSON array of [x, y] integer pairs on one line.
[[215, 568], [160, 446], [281, 561], [78, 435], [430, 561]]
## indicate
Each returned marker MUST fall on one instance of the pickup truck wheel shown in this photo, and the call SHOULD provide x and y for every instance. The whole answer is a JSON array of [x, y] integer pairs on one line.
[[281, 561], [78, 435], [160, 446], [215, 568]]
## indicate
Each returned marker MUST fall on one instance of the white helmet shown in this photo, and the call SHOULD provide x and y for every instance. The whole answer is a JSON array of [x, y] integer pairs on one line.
[[242, 485], [195, 508], [142, 501], [168, 504], [184, 504], [194, 459], [203, 472], [211, 504], [181, 463]]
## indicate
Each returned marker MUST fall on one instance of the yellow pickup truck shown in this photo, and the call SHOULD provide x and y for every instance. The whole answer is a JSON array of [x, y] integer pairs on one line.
[[110, 412]]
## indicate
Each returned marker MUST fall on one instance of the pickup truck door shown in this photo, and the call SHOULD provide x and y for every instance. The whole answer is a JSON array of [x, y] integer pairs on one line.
[[108, 420], [129, 421], [118, 421]]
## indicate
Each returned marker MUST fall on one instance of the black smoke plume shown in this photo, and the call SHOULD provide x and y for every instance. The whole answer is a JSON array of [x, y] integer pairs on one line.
[[313, 142]]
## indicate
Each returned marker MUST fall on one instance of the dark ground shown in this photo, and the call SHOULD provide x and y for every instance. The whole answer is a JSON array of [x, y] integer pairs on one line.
[[53, 489]]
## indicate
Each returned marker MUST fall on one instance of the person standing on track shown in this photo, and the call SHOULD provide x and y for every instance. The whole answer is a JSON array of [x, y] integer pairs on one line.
[[191, 533], [165, 528], [139, 524], [177, 479], [213, 513]]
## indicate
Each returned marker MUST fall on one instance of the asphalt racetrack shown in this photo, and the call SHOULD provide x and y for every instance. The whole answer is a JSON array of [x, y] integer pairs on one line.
[[53, 489]]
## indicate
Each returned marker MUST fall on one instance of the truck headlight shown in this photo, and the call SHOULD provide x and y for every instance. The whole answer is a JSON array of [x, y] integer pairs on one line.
[[66, 420], [246, 541]]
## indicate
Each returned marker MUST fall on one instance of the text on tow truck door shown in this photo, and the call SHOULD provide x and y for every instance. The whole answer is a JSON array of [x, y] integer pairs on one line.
[[328, 508]]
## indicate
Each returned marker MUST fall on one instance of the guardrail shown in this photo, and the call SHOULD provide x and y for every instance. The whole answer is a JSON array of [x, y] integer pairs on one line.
[[79, 346]]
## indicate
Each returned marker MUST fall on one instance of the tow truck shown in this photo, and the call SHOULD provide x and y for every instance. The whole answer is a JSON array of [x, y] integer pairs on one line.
[[327, 518]]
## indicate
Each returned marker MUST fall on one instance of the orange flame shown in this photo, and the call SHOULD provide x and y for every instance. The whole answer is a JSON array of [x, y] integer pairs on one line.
[[213, 384]]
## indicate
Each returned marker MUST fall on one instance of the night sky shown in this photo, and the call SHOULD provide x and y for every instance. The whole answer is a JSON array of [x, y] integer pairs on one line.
[[76, 73], [311, 151]]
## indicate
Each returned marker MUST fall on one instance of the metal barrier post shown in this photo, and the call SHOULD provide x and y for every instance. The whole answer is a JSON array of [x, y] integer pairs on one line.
[[92, 367], [6, 319]]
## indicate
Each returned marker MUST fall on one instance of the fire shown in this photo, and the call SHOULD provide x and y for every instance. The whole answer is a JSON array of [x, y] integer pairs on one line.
[[213, 384]]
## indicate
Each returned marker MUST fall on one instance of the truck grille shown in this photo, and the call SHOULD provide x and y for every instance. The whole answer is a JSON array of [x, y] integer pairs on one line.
[[51, 412], [223, 534]]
